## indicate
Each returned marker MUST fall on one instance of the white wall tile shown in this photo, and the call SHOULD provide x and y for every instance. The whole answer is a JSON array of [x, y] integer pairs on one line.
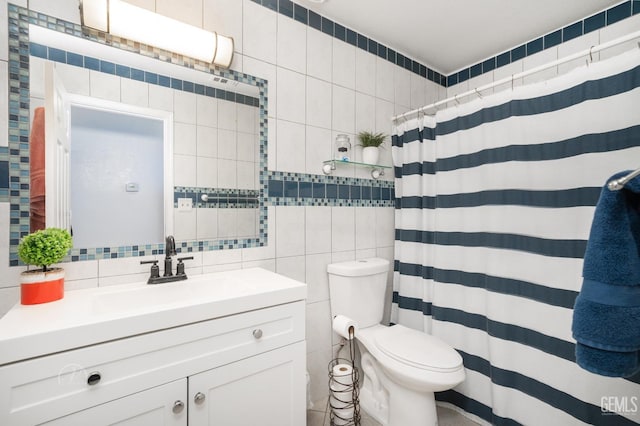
[[206, 141], [365, 72], [75, 79], [385, 227], [221, 257], [365, 217], [246, 118], [418, 91], [292, 44], [317, 278], [246, 223], [227, 144], [292, 267], [318, 148], [160, 98], [207, 172], [574, 46], [290, 227], [318, 326], [104, 86], [184, 170], [145, 4], [227, 176], [227, 223], [188, 11], [291, 96], [246, 146], [206, 111], [290, 148], [384, 79], [317, 229], [259, 32], [344, 64], [402, 86], [384, 112], [185, 224], [272, 143], [344, 108], [206, 223], [246, 175], [319, 55], [365, 112], [224, 17], [343, 229], [318, 103], [507, 71], [227, 115], [619, 29], [134, 92], [184, 139]]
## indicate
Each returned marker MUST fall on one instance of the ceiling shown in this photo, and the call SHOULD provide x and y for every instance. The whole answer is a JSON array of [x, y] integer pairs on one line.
[[448, 35]]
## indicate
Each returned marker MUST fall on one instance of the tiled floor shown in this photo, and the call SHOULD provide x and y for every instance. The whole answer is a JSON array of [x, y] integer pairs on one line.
[[446, 417]]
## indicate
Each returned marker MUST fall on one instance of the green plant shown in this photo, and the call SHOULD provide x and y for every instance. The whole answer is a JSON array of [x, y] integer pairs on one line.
[[368, 139], [45, 247]]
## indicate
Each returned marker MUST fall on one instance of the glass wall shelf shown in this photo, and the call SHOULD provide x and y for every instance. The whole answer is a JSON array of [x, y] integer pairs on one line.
[[377, 170]]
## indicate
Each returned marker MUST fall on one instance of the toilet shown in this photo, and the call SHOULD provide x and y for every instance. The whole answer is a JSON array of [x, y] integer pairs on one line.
[[402, 367]]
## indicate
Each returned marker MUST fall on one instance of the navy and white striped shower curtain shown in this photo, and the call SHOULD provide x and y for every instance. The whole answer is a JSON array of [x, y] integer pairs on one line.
[[494, 202]]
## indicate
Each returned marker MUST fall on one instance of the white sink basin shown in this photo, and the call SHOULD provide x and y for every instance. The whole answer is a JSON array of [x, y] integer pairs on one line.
[[85, 317]]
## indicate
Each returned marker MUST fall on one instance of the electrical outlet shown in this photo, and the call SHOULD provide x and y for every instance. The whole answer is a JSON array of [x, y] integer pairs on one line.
[[185, 204]]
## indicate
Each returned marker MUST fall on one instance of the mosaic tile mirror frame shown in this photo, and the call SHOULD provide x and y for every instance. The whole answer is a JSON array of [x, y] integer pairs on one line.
[[20, 50]]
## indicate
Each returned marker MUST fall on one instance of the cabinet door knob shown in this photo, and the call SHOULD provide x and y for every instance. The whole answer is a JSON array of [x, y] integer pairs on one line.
[[94, 378], [257, 333], [199, 398], [178, 406]]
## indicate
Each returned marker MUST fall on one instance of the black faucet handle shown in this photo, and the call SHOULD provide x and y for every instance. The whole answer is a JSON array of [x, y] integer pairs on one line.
[[180, 265], [155, 270]]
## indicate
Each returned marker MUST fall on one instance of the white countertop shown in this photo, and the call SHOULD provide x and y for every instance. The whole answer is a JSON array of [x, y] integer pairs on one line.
[[87, 317]]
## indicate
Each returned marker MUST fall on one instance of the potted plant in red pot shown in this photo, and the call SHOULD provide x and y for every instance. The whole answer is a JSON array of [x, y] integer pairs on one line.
[[43, 248]]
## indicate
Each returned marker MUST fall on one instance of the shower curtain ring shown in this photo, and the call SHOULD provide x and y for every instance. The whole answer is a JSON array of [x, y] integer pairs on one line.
[[478, 93], [591, 54], [455, 98]]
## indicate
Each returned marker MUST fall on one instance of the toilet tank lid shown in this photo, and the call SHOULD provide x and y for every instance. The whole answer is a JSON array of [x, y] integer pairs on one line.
[[360, 267]]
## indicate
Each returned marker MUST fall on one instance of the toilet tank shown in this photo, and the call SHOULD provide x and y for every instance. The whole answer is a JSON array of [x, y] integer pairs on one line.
[[357, 290]]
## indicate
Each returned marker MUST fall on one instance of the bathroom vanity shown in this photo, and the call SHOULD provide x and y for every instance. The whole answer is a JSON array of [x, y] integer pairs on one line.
[[225, 348]]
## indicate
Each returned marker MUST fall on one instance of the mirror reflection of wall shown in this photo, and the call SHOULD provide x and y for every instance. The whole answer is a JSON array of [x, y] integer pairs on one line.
[[215, 152]]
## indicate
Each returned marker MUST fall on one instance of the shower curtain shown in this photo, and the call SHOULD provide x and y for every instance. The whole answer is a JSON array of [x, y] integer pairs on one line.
[[494, 202]]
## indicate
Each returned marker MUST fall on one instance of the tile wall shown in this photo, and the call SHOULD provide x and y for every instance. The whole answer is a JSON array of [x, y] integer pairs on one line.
[[319, 86]]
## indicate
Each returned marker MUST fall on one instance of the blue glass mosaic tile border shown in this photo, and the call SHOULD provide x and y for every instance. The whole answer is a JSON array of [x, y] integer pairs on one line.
[[333, 29], [95, 64], [17, 153], [4, 174], [301, 189], [218, 197], [308, 17]]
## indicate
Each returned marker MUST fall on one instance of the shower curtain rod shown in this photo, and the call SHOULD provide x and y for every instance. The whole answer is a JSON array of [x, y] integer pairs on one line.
[[587, 52]]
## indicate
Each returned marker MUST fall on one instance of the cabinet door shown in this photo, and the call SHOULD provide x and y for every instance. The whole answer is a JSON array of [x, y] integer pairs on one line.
[[267, 390], [163, 405]]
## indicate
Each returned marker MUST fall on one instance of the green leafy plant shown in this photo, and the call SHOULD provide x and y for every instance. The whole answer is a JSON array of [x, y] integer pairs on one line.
[[45, 247], [368, 139]]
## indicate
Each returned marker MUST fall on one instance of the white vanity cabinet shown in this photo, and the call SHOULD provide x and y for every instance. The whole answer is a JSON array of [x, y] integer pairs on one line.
[[245, 368]]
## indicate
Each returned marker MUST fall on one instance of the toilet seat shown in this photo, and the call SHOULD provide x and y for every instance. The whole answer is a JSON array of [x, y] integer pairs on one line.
[[417, 349]]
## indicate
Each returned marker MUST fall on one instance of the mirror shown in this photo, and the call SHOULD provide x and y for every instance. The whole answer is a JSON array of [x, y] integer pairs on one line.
[[155, 148]]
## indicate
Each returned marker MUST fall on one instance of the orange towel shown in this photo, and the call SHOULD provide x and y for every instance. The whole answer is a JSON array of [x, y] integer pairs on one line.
[[36, 153]]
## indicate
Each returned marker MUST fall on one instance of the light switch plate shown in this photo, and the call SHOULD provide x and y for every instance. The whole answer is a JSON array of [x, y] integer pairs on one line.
[[185, 204]]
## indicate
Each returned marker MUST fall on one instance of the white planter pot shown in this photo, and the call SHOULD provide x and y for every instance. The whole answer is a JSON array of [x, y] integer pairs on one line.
[[370, 154]]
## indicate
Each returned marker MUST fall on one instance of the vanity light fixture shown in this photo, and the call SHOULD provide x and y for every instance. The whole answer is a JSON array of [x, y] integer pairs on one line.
[[134, 23]]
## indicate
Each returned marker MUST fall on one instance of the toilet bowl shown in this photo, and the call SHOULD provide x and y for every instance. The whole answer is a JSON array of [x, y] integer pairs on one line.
[[402, 367]]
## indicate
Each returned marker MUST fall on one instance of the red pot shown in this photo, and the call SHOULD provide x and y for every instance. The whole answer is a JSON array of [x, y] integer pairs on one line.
[[41, 287]]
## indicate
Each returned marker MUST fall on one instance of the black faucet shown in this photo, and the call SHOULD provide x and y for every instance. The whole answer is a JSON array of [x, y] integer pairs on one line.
[[170, 250]]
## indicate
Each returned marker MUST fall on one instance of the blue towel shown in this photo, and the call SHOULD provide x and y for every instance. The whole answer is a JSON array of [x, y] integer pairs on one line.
[[606, 315]]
